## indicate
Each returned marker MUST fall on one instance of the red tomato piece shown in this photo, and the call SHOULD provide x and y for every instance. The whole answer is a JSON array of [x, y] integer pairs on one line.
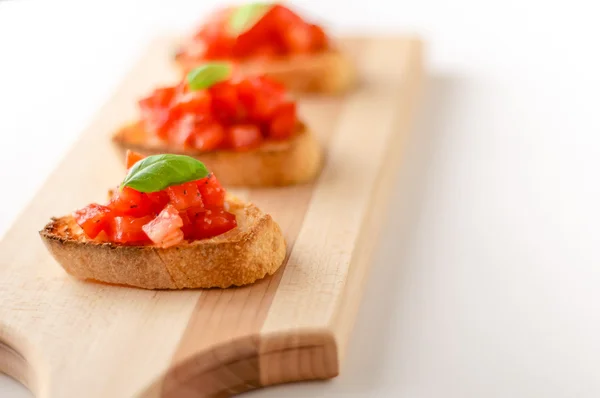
[[283, 17], [158, 200], [160, 98], [260, 96], [209, 137], [93, 219], [210, 222], [319, 38], [163, 230], [213, 194], [182, 130], [129, 202], [244, 136], [191, 102], [154, 110], [284, 121], [127, 229], [298, 38], [132, 158], [185, 195], [259, 33], [224, 101]]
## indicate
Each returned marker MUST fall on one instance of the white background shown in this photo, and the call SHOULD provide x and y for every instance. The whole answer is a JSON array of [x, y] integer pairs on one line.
[[487, 281]]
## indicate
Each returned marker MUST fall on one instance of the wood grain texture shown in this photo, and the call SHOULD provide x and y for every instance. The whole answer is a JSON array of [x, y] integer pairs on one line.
[[66, 338]]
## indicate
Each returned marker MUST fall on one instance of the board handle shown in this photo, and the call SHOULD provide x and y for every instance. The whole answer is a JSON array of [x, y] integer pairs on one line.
[[251, 362]]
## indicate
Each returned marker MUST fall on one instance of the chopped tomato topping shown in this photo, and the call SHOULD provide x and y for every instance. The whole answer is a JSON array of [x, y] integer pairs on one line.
[[132, 158], [209, 137], [280, 31], [189, 211], [129, 202], [210, 222], [127, 229], [165, 228], [244, 136], [213, 194], [93, 219], [185, 195], [209, 119], [283, 122]]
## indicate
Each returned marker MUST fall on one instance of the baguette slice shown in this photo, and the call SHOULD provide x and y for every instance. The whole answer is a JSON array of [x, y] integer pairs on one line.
[[274, 163], [328, 72], [243, 255]]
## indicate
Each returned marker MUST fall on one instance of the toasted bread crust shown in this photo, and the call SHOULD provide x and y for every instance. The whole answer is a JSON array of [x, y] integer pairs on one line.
[[328, 72], [247, 253], [274, 163]]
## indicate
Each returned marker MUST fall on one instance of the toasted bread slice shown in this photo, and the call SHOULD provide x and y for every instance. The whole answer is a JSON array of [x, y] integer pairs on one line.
[[252, 250], [328, 72], [274, 163]]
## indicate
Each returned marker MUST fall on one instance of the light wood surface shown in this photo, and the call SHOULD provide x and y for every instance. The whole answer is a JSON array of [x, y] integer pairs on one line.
[[66, 338]]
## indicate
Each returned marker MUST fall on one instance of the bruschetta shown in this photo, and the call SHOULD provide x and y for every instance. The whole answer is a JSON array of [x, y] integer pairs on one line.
[[244, 128], [170, 225], [271, 39]]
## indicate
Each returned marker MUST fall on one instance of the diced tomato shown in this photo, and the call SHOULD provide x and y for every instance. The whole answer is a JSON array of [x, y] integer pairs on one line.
[[158, 200], [209, 137], [93, 219], [173, 238], [213, 194], [163, 230], [160, 98], [258, 33], [129, 202], [154, 110], [225, 103], [127, 229], [260, 96], [185, 195], [319, 38], [298, 38], [210, 222], [191, 102], [187, 226], [284, 121], [279, 31], [244, 136], [132, 158]]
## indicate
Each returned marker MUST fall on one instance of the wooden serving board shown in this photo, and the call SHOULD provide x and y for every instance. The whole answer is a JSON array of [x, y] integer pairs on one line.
[[65, 338]]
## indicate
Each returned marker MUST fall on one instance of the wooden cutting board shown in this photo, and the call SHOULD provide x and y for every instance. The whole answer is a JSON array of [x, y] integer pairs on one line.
[[65, 338]]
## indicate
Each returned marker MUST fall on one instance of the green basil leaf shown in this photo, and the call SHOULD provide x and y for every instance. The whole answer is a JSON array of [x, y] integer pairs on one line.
[[158, 172], [207, 75], [246, 16]]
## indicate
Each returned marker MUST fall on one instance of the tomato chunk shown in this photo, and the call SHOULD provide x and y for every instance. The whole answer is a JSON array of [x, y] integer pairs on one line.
[[132, 158], [283, 123], [185, 195], [158, 200], [165, 229], [244, 136], [208, 223], [210, 137], [127, 229], [129, 202], [93, 219], [213, 194], [279, 31], [225, 103]]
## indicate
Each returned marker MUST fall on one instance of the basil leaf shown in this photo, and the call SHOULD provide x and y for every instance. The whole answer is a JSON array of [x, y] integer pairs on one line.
[[246, 16], [158, 172], [207, 75]]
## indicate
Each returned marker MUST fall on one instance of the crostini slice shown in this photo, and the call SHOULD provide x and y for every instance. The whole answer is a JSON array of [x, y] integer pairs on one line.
[[244, 128], [187, 235], [274, 40]]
